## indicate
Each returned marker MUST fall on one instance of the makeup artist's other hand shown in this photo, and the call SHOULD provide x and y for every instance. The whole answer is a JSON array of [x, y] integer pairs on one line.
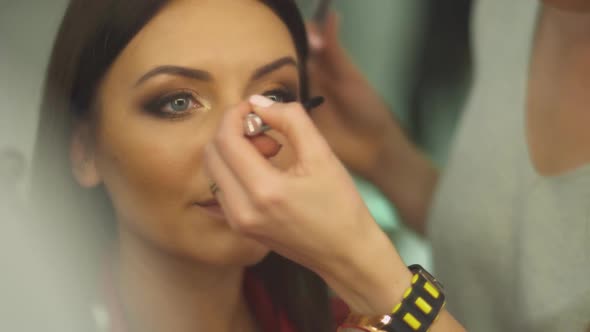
[[309, 212], [354, 119], [362, 131]]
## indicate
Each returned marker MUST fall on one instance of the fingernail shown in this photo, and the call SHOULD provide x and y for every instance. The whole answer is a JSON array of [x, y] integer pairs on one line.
[[261, 101], [315, 41]]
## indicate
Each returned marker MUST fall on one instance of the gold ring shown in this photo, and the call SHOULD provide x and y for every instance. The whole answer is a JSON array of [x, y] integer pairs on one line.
[[214, 188]]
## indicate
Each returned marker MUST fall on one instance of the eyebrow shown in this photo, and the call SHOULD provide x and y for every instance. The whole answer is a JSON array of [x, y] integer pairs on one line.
[[273, 66], [191, 73], [203, 75]]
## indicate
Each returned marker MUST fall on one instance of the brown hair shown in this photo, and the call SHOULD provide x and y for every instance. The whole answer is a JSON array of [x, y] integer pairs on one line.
[[91, 36]]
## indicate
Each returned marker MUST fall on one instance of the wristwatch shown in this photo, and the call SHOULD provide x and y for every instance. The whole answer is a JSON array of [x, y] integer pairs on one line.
[[422, 302], [360, 323]]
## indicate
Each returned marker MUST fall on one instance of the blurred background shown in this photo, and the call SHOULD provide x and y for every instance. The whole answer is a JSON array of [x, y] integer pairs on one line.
[[416, 53]]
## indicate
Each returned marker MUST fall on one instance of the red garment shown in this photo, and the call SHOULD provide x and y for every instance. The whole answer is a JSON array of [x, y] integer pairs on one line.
[[263, 309], [256, 295]]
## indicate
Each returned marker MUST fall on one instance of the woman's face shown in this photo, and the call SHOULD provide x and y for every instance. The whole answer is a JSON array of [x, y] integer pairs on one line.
[[160, 104]]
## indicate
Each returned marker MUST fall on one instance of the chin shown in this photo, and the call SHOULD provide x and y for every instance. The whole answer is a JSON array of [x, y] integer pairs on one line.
[[238, 252], [249, 255]]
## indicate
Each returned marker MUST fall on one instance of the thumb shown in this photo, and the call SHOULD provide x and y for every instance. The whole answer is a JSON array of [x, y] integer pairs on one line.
[[324, 38], [327, 53], [315, 38]]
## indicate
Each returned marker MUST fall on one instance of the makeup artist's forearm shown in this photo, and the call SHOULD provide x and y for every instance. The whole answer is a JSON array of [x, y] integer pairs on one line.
[[371, 280], [408, 179], [374, 278]]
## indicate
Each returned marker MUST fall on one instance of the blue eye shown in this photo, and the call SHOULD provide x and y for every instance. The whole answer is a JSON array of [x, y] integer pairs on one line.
[[280, 96], [175, 105], [179, 104]]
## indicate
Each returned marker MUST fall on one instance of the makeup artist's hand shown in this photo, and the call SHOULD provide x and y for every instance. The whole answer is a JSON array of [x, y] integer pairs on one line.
[[311, 212], [363, 132], [354, 119]]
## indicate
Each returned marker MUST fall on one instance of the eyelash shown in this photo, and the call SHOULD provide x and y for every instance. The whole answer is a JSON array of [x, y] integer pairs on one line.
[[287, 95], [155, 106]]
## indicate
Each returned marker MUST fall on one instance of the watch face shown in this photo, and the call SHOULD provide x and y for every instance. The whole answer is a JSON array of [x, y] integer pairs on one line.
[[420, 270], [432, 279]]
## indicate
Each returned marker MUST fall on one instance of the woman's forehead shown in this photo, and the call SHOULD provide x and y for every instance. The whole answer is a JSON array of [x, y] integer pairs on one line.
[[209, 34]]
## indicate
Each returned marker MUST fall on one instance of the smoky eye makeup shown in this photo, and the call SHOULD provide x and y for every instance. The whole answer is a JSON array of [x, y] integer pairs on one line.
[[175, 101], [281, 95], [174, 105]]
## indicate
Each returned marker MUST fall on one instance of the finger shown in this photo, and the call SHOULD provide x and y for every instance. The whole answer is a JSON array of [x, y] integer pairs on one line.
[[231, 195], [331, 29], [327, 52], [266, 145], [323, 37], [324, 80], [315, 38], [295, 124], [245, 161]]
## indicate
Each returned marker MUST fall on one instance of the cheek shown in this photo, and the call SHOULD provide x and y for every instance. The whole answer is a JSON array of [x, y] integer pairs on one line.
[[150, 165]]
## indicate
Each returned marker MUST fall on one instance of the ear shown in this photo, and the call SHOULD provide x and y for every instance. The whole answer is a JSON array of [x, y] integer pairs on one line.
[[82, 157]]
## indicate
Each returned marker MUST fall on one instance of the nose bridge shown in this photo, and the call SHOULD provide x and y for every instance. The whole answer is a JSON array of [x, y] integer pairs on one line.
[[231, 92]]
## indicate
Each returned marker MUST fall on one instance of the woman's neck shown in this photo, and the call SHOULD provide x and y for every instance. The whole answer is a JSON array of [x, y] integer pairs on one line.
[[162, 292]]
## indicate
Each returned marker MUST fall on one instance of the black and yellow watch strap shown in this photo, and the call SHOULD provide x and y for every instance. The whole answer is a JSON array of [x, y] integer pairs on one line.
[[421, 304], [420, 307]]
